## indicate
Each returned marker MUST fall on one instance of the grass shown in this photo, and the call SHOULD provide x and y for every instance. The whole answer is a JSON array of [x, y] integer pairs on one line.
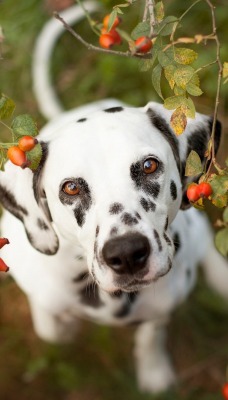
[[99, 365]]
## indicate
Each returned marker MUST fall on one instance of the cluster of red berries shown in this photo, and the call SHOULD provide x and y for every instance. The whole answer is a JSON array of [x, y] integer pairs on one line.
[[195, 191], [17, 154], [110, 38], [3, 266]]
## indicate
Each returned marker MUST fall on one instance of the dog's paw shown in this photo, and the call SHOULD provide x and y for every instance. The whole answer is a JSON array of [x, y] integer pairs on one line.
[[156, 378]]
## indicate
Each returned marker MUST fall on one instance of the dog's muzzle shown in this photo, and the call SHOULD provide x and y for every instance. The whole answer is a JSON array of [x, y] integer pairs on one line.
[[127, 254]]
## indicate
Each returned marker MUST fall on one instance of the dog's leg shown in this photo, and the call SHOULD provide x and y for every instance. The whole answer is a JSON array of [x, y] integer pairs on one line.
[[154, 369], [50, 327]]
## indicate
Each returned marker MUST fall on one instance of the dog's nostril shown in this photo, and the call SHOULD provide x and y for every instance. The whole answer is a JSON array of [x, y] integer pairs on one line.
[[127, 253]]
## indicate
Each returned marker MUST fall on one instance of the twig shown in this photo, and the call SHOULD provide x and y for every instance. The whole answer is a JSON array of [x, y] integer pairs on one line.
[[152, 16], [211, 156], [96, 48]]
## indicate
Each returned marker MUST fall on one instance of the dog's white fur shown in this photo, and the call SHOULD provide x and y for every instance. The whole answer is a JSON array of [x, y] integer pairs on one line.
[[102, 150]]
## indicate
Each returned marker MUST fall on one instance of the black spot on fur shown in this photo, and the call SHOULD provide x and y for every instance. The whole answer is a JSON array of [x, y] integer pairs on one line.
[[97, 230], [41, 224], [90, 296], [116, 208], [176, 241], [9, 202], [83, 200], [173, 190], [79, 257], [113, 109], [82, 120], [81, 277], [158, 240], [129, 219], [166, 132], [126, 307], [148, 205], [117, 295], [166, 224], [188, 274], [114, 231], [145, 181], [167, 239], [137, 215], [79, 214]]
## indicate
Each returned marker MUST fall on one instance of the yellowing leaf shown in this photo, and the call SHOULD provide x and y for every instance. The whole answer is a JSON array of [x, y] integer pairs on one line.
[[174, 102], [7, 107], [193, 164], [159, 11], [183, 75], [169, 73], [178, 121], [193, 90], [219, 184], [185, 56], [191, 111], [225, 70]]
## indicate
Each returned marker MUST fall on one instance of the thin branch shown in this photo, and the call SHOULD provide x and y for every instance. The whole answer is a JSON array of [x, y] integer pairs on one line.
[[211, 156], [96, 48], [152, 16]]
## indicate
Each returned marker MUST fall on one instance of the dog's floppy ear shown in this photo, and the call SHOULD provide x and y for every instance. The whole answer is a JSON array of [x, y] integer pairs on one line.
[[19, 194], [197, 140], [195, 137]]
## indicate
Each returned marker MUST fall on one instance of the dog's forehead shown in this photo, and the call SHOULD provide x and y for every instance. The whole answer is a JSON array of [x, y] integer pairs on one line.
[[125, 134]]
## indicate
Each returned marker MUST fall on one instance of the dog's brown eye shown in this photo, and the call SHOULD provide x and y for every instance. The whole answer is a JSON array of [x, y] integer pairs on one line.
[[150, 165], [70, 188]]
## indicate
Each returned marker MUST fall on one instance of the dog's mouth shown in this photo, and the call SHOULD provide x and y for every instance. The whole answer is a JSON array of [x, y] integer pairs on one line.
[[136, 284]]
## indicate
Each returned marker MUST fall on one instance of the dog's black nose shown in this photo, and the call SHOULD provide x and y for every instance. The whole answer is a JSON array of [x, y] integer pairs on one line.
[[127, 253]]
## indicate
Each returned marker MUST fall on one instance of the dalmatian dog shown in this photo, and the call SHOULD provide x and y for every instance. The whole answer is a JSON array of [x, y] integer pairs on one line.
[[102, 230]]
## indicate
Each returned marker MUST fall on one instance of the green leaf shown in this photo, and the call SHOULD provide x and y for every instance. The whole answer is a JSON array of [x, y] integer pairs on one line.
[[169, 73], [173, 102], [179, 91], [7, 107], [146, 65], [193, 90], [163, 59], [225, 215], [219, 184], [221, 241], [193, 164], [159, 11], [24, 125], [183, 75], [225, 70], [165, 28], [142, 29], [191, 112], [112, 18], [185, 56], [156, 79], [34, 156]]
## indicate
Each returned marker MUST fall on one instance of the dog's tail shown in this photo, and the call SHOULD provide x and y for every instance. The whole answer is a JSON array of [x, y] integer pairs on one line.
[[48, 102]]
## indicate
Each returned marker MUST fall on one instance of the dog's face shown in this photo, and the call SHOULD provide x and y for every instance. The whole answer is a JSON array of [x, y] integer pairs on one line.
[[111, 183]]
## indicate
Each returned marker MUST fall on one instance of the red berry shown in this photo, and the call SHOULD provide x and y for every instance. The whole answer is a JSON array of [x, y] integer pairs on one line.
[[116, 36], [17, 156], [143, 44], [225, 391], [3, 266], [27, 143], [204, 189], [115, 23], [192, 192], [3, 241], [106, 41]]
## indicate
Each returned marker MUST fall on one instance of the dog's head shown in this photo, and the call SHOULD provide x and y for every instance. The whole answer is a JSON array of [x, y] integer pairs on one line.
[[112, 183]]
